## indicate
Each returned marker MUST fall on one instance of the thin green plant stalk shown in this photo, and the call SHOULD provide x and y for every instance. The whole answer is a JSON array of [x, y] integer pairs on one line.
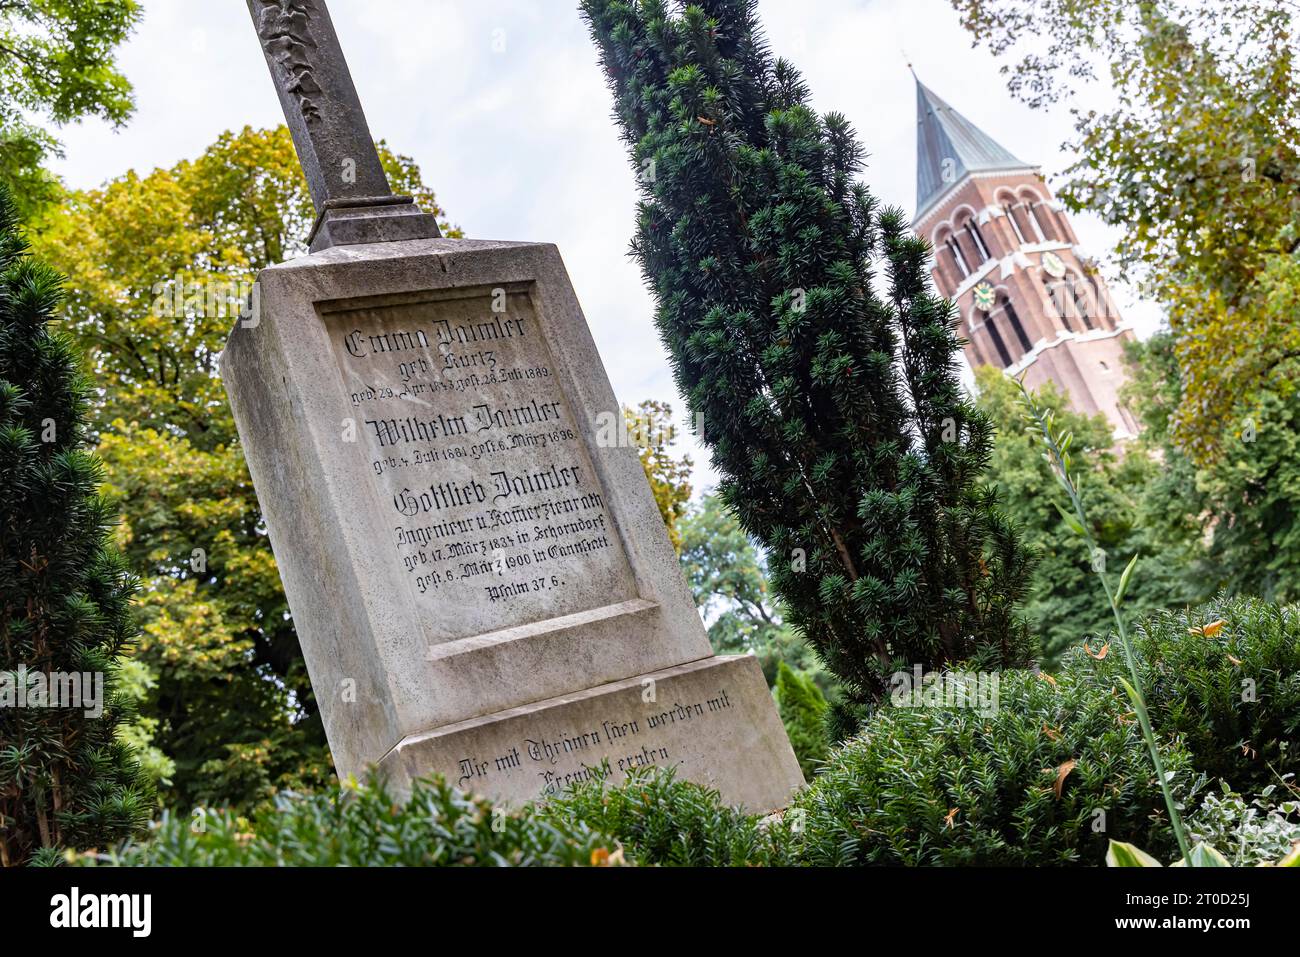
[[1058, 457]]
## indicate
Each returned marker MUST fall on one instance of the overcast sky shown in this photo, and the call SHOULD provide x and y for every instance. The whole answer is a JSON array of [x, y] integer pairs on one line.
[[503, 105]]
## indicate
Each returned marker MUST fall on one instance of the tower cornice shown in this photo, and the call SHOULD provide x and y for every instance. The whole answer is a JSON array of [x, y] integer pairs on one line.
[[923, 217]]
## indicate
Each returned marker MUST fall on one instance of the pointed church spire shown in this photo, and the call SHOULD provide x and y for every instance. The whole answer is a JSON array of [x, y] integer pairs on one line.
[[948, 146]]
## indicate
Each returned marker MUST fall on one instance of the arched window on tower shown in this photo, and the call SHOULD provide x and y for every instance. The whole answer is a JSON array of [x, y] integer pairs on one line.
[[1042, 221], [1129, 422], [1017, 326], [1027, 204], [978, 239], [1009, 209], [1079, 290], [962, 266], [1058, 301], [998, 344]]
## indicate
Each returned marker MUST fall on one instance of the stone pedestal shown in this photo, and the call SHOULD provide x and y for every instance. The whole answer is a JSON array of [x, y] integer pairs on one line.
[[712, 719], [477, 574]]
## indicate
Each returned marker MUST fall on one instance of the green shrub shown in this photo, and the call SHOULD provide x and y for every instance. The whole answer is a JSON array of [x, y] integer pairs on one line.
[[918, 786], [952, 786], [1232, 694], [664, 821], [364, 826], [803, 711]]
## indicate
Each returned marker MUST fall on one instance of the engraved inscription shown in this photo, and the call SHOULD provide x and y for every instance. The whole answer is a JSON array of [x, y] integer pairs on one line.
[[497, 516], [645, 735]]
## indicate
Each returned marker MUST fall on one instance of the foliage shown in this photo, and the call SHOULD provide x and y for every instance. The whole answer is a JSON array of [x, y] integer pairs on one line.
[[159, 264], [827, 396], [57, 64], [661, 821], [651, 429], [65, 595], [1197, 162], [1243, 509], [664, 821], [728, 578], [1058, 441], [136, 731], [1260, 831], [1121, 854], [366, 826], [1225, 678], [1045, 777], [1042, 781], [1065, 605], [803, 710]]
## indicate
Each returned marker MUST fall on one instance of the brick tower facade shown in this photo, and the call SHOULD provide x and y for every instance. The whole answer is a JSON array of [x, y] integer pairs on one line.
[[1004, 251]]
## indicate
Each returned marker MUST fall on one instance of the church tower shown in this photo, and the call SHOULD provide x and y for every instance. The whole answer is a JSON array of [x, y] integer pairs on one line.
[[1030, 301]]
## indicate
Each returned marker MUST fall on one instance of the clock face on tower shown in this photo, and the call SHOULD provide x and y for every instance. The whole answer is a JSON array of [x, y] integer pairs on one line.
[[1053, 265], [984, 297]]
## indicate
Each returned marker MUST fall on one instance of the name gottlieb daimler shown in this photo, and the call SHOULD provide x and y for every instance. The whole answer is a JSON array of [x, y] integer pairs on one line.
[[446, 495]]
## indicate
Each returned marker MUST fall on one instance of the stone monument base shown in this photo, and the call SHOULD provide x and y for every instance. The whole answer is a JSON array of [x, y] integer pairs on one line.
[[712, 720]]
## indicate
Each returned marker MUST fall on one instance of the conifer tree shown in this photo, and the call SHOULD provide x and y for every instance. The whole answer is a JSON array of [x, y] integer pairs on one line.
[[818, 365], [65, 780], [803, 711]]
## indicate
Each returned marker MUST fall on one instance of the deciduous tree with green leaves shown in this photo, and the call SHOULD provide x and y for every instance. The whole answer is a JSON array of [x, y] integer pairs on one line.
[[1243, 508], [1197, 161], [1065, 606], [651, 430], [728, 579], [57, 64], [66, 780], [814, 357]]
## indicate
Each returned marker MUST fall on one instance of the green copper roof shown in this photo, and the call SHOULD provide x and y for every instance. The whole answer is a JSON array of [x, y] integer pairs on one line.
[[944, 134]]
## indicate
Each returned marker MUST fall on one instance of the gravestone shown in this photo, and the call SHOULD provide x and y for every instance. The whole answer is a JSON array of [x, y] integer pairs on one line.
[[482, 584]]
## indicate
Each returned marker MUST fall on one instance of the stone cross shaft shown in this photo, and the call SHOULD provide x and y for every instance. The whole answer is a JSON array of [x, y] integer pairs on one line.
[[354, 201]]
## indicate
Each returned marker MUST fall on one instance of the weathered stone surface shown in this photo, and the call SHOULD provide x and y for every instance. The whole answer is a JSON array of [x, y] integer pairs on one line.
[[711, 720], [320, 101], [422, 421], [384, 222]]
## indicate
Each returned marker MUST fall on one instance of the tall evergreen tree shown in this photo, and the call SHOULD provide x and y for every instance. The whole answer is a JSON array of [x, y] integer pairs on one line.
[[832, 407], [65, 779], [803, 708]]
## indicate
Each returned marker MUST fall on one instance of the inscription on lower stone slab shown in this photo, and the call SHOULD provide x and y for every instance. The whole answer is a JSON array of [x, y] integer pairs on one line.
[[614, 746], [497, 514], [711, 722]]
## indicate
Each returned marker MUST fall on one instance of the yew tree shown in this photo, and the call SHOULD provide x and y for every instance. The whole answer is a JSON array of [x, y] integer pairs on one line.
[[815, 358]]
